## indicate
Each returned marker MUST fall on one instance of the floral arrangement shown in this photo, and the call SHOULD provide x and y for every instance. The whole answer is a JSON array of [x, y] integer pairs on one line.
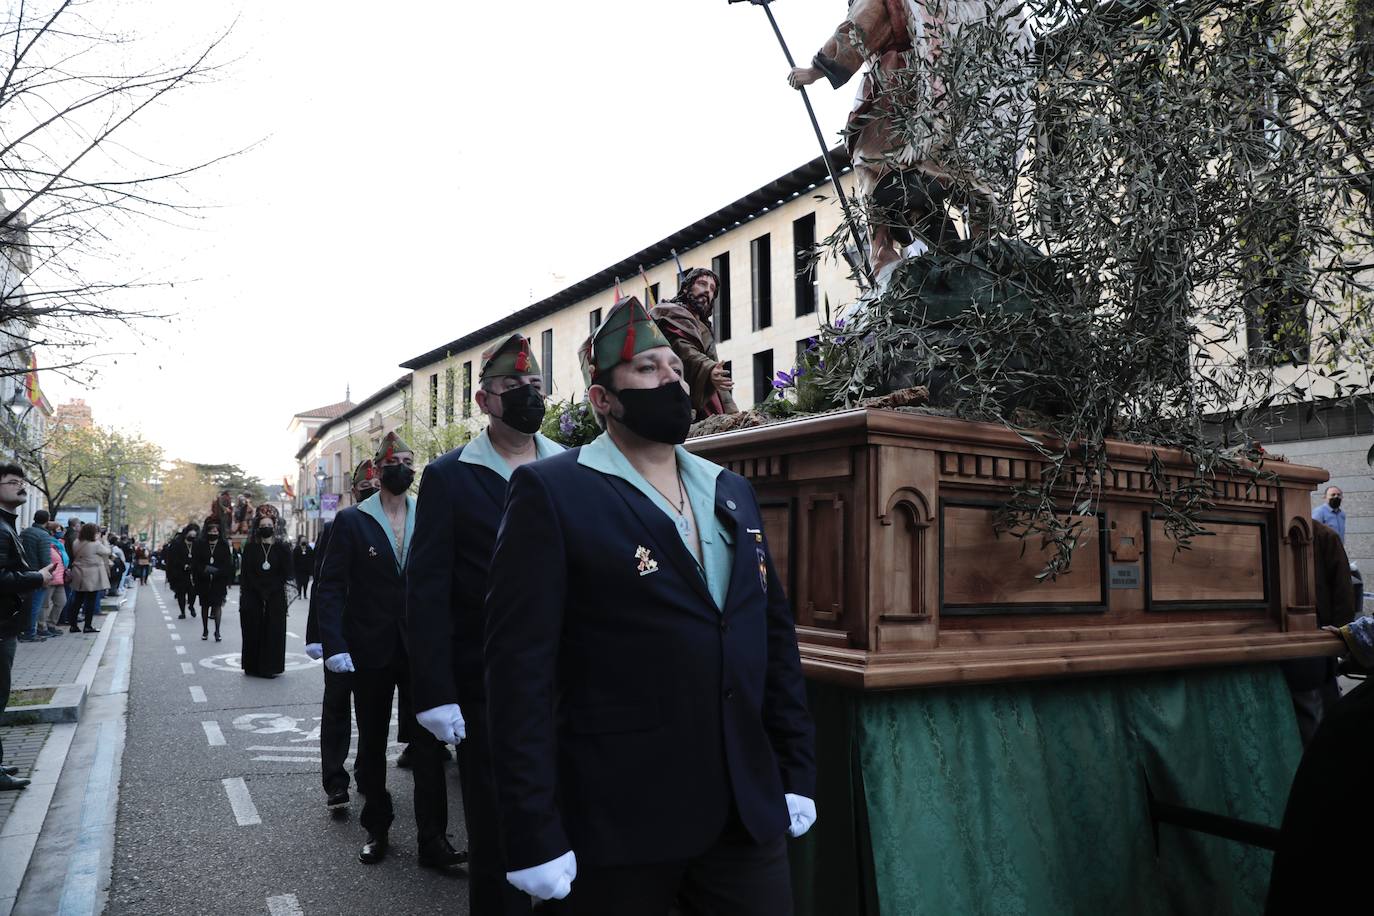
[[570, 423]]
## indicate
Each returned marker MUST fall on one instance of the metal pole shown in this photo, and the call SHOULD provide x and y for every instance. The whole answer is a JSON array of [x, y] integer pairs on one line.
[[849, 217]]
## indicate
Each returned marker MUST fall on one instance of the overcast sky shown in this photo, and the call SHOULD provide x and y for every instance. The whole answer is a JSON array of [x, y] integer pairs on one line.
[[423, 169]]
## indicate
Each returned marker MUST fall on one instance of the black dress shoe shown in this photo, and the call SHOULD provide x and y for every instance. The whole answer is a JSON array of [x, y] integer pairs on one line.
[[10, 771], [337, 799], [403, 761], [90, 630], [439, 853], [181, 616], [8, 782], [373, 851]]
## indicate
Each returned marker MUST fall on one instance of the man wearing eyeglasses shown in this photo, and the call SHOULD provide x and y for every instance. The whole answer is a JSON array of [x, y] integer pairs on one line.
[[18, 581]]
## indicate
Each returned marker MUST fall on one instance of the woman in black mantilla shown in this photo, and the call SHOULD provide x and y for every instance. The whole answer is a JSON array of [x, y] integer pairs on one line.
[[212, 567], [262, 597]]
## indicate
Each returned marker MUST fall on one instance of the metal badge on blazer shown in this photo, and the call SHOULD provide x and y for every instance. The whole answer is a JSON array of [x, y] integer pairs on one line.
[[646, 563], [763, 568], [371, 551]]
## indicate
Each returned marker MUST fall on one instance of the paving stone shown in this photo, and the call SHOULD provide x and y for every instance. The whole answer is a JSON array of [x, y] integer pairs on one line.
[[22, 746]]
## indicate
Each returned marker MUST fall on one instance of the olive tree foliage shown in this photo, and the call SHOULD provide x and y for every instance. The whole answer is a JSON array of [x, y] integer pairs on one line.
[[73, 86], [1181, 240]]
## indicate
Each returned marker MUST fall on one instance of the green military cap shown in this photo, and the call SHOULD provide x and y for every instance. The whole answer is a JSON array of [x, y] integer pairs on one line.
[[626, 331], [364, 472], [390, 445], [510, 357]]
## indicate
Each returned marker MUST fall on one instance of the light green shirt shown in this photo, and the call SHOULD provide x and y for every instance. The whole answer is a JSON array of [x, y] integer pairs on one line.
[[699, 479], [480, 451], [373, 507]]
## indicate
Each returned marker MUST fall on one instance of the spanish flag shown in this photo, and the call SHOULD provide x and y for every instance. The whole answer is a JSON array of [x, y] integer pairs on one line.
[[31, 390]]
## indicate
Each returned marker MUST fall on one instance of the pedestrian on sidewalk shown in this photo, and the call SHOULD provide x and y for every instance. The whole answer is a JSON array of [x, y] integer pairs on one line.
[[457, 514], [177, 561], [90, 575], [17, 583], [35, 541], [362, 617], [212, 568], [143, 564], [262, 597], [50, 617], [336, 712], [303, 561]]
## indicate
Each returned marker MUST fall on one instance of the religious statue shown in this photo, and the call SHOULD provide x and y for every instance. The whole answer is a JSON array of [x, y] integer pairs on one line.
[[243, 513], [222, 509], [913, 137]]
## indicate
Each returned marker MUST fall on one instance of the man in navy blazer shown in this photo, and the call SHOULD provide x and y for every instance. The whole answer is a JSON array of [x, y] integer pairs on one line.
[[456, 516], [648, 715], [361, 606]]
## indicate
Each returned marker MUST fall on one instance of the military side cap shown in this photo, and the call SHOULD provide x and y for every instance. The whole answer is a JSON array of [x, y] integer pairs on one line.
[[510, 357], [390, 445], [626, 331], [364, 472]]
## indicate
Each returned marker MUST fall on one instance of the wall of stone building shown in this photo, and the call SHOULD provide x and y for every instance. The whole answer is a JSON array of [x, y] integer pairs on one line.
[[572, 324], [1344, 458]]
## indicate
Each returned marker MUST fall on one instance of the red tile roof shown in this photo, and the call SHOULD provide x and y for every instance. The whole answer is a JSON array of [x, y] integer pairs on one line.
[[329, 412]]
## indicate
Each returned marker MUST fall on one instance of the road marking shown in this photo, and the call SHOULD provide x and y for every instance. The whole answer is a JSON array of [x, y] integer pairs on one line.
[[277, 747], [245, 812], [213, 735], [197, 694], [181, 650], [284, 905], [175, 635], [292, 635], [314, 759], [188, 668], [171, 626]]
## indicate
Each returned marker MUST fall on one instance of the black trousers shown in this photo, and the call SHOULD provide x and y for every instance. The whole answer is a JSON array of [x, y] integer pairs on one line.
[[262, 620], [488, 890], [735, 877], [8, 645], [303, 586], [336, 729], [373, 689]]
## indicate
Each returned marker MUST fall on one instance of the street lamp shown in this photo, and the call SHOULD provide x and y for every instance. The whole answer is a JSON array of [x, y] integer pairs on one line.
[[123, 502], [319, 500]]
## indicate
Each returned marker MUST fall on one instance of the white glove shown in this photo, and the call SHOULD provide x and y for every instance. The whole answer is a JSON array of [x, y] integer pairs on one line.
[[550, 881], [444, 722], [802, 811], [314, 650], [339, 663]]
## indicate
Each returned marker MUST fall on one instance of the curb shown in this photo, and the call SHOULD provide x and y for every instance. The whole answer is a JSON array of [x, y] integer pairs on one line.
[[19, 836]]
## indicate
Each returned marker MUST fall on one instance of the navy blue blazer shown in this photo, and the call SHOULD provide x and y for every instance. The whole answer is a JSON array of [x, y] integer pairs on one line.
[[360, 593], [456, 516], [312, 617], [629, 715]]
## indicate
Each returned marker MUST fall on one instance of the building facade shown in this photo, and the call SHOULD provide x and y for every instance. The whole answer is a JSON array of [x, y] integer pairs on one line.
[[774, 295]]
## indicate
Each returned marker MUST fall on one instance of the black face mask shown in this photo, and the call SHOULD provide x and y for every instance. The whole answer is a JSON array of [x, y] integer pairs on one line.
[[522, 409], [662, 414], [1335, 502], [397, 478], [264, 533]]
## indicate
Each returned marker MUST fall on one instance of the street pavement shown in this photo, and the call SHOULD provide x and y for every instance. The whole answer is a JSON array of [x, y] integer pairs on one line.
[[221, 810]]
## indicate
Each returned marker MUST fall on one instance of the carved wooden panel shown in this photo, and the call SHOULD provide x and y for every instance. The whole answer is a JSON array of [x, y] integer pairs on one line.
[[984, 573], [821, 572], [902, 557], [1229, 566], [777, 527], [831, 462]]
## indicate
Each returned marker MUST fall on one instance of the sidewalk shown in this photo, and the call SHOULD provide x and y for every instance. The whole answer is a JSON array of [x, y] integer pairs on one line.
[[39, 749]]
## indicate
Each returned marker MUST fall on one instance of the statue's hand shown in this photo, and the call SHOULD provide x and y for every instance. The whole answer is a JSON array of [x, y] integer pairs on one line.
[[803, 76]]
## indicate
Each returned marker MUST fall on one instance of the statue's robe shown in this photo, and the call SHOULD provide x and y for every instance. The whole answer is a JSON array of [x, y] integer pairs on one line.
[[695, 345]]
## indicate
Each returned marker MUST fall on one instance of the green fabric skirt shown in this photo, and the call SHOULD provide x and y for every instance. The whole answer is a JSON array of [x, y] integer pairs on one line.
[[1031, 798]]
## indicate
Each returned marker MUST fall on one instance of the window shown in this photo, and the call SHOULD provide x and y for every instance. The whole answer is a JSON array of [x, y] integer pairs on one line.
[[763, 375], [594, 321], [801, 349], [804, 264], [546, 360], [651, 295], [450, 383], [720, 266], [467, 390], [434, 399], [761, 280]]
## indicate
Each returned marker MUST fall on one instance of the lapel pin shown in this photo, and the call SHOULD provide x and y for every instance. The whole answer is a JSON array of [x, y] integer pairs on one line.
[[758, 535], [730, 504], [647, 564], [372, 551]]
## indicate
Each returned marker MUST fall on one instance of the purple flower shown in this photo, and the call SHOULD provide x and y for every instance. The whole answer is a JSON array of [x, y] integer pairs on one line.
[[788, 379], [566, 424], [811, 344]]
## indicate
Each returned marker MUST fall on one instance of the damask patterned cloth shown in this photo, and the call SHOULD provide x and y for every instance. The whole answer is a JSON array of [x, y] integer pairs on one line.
[[1031, 798], [1359, 639]]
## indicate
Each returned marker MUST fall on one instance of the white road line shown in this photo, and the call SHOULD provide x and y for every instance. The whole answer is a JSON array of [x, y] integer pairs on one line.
[[292, 635], [187, 668], [197, 694], [171, 626], [213, 735], [315, 759], [284, 905], [175, 635], [304, 749], [181, 650], [245, 812]]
